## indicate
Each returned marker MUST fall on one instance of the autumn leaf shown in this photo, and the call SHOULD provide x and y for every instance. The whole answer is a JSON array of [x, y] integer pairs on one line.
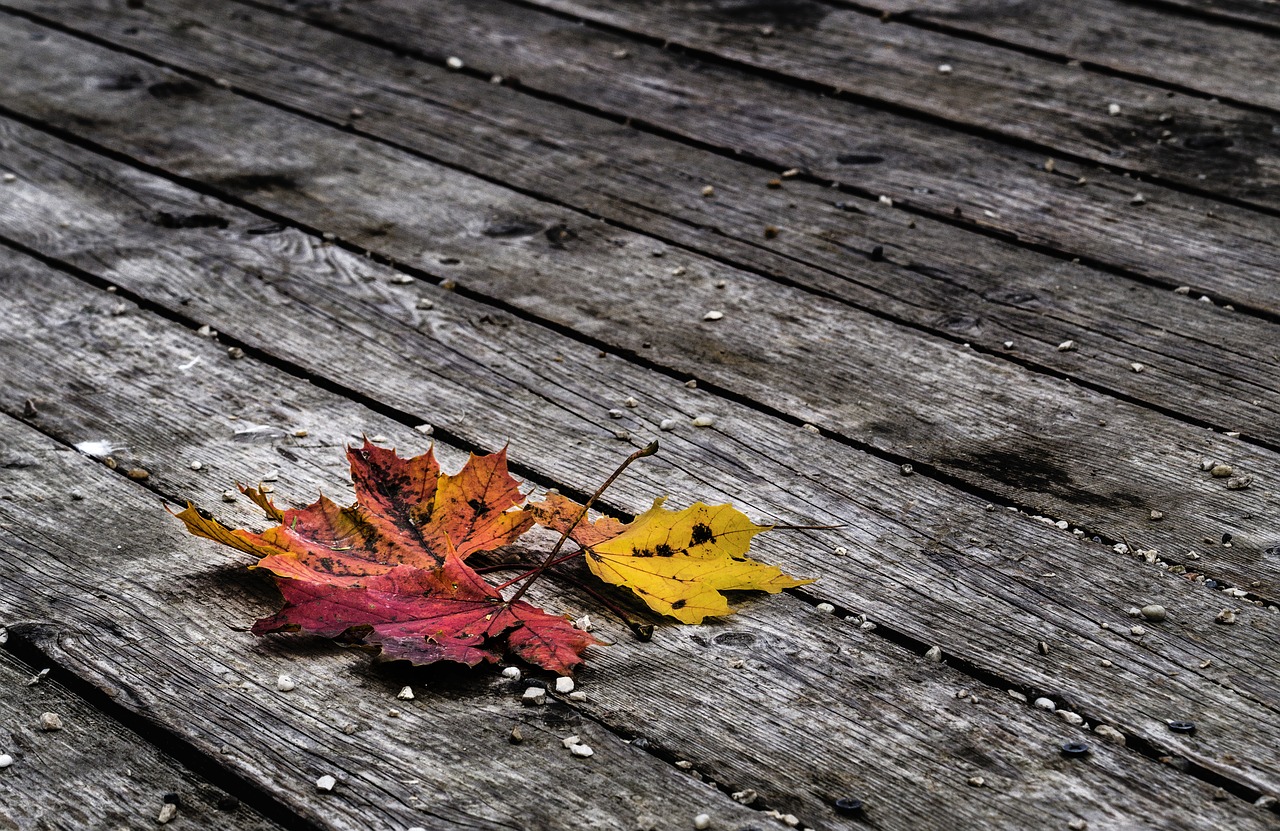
[[428, 615], [404, 512], [677, 562]]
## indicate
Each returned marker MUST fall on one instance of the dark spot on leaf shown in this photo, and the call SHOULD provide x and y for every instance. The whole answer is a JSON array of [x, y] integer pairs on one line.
[[641, 552], [173, 89], [478, 506], [702, 533], [679, 604], [663, 550], [167, 220]]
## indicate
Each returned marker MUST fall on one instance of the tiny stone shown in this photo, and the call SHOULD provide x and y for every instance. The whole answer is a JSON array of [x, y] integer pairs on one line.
[[29, 409], [1137, 367], [577, 695], [300, 434], [620, 54], [868, 626], [1138, 199], [516, 736], [582, 750], [138, 473], [770, 231], [425, 303], [774, 184], [825, 607], [702, 821], [285, 683], [1137, 630], [668, 424], [1067, 346], [425, 429], [1156, 516], [454, 63], [1061, 525], [840, 551], [1046, 704], [1113, 109], [534, 696], [791, 173], [745, 797], [679, 271], [584, 623], [692, 383], [708, 191], [206, 331], [1043, 647], [616, 414], [349, 728], [50, 721], [1154, 612], [713, 315], [393, 713], [1221, 471], [1239, 483], [1017, 696], [1267, 802], [168, 811], [405, 694], [631, 403], [9, 177], [1226, 617], [703, 421], [1049, 165], [812, 428], [1070, 717], [684, 764], [1078, 825], [326, 783], [934, 654], [5, 760], [976, 781], [721, 283], [906, 470], [885, 200], [564, 685], [196, 465], [356, 112], [511, 673], [1109, 734], [944, 69], [570, 741], [1182, 290], [235, 353]]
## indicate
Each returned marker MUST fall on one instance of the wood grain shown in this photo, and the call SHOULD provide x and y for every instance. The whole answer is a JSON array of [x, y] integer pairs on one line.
[[829, 704], [92, 772], [1173, 239], [987, 423], [1196, 359]]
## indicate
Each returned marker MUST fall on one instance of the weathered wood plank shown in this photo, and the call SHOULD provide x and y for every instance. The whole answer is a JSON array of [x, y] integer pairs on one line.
[[807, 740], [1201, 243], [92, 772], [1265, 12], [918, 558], [1057, 107], [1196, 359], [1191, 52], [965, 415]]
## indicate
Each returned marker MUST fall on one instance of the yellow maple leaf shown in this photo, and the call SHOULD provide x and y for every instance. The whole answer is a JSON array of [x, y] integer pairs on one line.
[[679, 562]]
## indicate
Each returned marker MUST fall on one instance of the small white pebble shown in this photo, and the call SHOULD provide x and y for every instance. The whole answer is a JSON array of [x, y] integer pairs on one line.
[[1109, 734], [1154, 612], [745, 797], [564, 685], [708, 191], [840, 551], [584, 623], [1046, 704], [668, 424], [534, 696], [631, 403], [168, 811], [868, 626], [5, 760], [1070, 717], [1226, 617], [1078, 825], [582, 750], [1104, 662], [425, 303], [884, 200], [714, 314], [615, 413], [1138, 199], [326, 783], [812, 428], [703, 421], [425, 429], [1008, 344], [50, 721], [944, 69], [454, 62], [702, 821], [679, 271], [511, 673], [1017, 696], [570, 741], [1061, 525], [285, 683], [825, 607], [1067, 346], [197, 465], [9, 177], [1137, 630], [934, 654], [1113, 109], [1120, 548], [976, 781], [577, 695], [393, 713], [405, 694]]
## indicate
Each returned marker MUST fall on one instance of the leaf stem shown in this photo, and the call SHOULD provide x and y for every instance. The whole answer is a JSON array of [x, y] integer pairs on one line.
[[531, 571], [647, 450]]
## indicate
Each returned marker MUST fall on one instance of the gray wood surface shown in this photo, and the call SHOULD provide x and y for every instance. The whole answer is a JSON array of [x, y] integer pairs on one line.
[[1265, 12], [992, 90], [1190, 52], [997, 187], [92, 772], [813, 707], [968, 416], [917, 554], [1197, 360]]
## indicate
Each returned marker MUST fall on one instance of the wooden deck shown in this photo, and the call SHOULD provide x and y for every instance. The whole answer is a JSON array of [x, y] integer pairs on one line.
[[1028, 250]]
